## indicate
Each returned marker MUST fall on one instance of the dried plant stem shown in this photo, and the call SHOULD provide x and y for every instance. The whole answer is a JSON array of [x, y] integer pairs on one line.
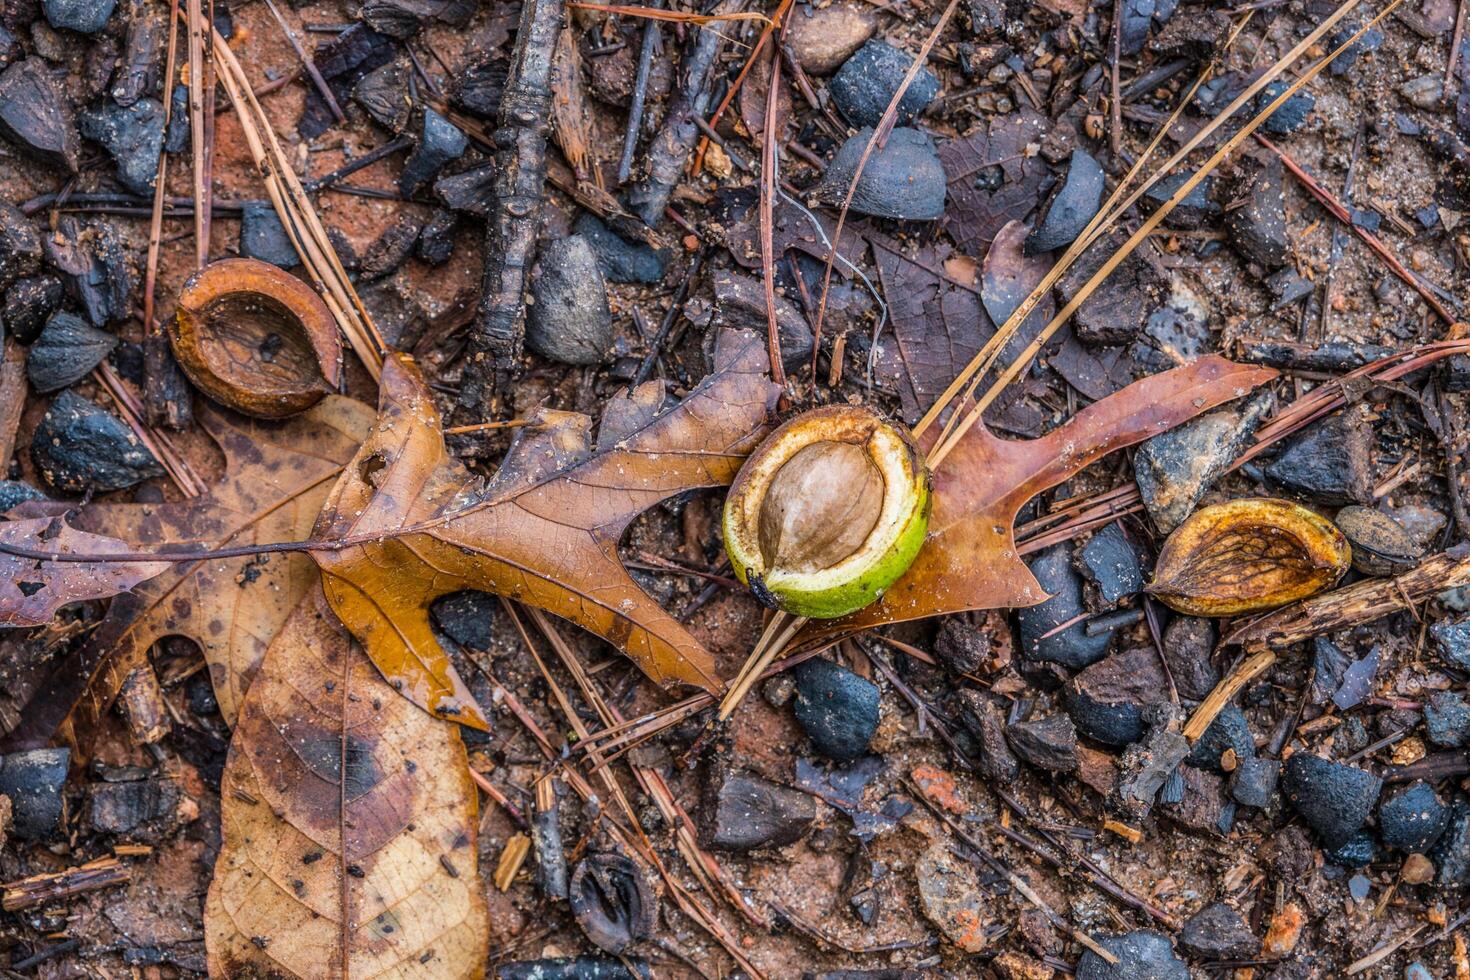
[[298, 216], [770, 174], [968, 418], [1228, 687], [306, 63], [155, 442], [658, 13], [155, 228], [197, 132], [778, 634]]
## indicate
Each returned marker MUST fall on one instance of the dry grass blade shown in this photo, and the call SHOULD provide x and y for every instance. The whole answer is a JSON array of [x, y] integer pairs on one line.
[[157, 443], [770, 164], [155, 227], [198, 132], [298, 216], [973, 414]]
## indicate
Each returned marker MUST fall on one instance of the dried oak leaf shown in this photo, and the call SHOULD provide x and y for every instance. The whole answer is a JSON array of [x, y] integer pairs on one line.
[[544, 530], [276, 477], [349, 823], [1248, 556], [969, 560], [31, 590], [994, 176]]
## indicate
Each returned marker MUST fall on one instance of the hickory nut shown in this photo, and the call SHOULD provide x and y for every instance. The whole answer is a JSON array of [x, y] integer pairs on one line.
[[828, 512], [1248, 556]]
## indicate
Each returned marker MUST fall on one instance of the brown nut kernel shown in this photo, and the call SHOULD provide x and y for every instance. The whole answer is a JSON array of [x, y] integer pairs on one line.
[[1247, 556], [256, 339]]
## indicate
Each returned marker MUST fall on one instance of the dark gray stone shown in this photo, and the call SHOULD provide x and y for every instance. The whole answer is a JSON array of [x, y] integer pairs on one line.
[[1258, 227], [903, 180], [1112, 563], [440, 141], [1413, 818], [20, 248], [982, 717], [1194, 210], [436, 241], [1142, 955], [867, 82], [1253, 783], [34, 780], [82, 16], [1218, 932], [1047, 743], [1330, 462], [133, 136], [1451, 856], [68, 348], [1175, 468], [466, 617], [1333, 799], [29, 303], [13, 493], [1452, 640], [836, 708], [620, 259], [743, 812], [263, 237], [1072, 208], [1447, 719], [1293, 112], [1107, 701], [1071, 647], [35, 114], [569, 320], [1188, 644], [1360, 851], [79, 447], [1228, 731]]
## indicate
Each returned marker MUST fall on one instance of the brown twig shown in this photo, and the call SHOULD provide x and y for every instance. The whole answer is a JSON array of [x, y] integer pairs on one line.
[[307, 63]]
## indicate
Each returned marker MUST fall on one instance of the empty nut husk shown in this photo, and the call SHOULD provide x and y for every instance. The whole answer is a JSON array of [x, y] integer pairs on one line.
[[256, 339]]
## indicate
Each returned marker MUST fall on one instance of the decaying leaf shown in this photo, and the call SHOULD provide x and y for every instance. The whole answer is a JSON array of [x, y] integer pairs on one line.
[[994, 176], [349, 823], [544, 530], [32, 590], [969, 560], [276, 477], [1247, 556]]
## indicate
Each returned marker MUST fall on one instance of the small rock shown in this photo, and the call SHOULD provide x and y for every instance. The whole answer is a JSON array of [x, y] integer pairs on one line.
[[620, 259], [1371, 41], [1217, 932], [178, 137], [1417, 870], [1333, 799], [836, 708], [436, 241], [133, 136], [963, 648], [94, 258], [742, 812], [983, 719], [1424, 91], [1203, 806], [1228, 731], [393, 247], [569, 320], [440, 141], [1071, 208], [779, 690], [478, 84], [1136, 288], [68, 348], [263, 237], [466, 617], [1293, 112], [1287, 286], [1253, 783], [33, 780], [1452, 854], [1447, 720], [79, 447], [1358, 887], [1357, 680], [1380, 544], [740, 304], [469, 190], [1452, 639], [1412, 819], [950, 895], [822, 38], [20, 249], [1142, 955], [13, 493], [1071, 647], [579, 968], [1331, 462], [29, 303], [1193, 211], [1147, 765], [1047, 743], [1112, 563], [35, 115], [1188, 644], [1258, 227], [904, 180], [82, 16], [384, 94], [1360, 851], [1107, 700], [867, 82]]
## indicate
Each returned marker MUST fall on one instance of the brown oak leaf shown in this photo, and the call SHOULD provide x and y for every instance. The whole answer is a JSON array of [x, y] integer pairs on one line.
[[349, 821], [31, 590], [544, 530]]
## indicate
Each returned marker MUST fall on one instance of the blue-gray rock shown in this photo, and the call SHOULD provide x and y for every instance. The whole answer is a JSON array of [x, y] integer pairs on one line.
[[1193, 211], [1371, 41], [1072, 208], [263, 237], [1228, 731], [1108, 700], [1330, 462], [82, 16], [79, 447], [866, 83], [466, 617], [1452, 640], [132, 136], [1071, 647], [34, 780], [1447, 720], [20, 246], [1412, 819], [903, 180], [580, 968], [68, 348], [1189, 642], [569, 320], [1258, 227], [740, 811], [13, 493], [620, 259], [1112, 563], [1360, 850], [28, 304], [35, 114], [1451, 856], [1253, 783], [836, 708], [1293, 112], [1047, 743], [1218, 932], [1333, 799], [440, 141], [178, 136], [436, 241], [1142, 955]]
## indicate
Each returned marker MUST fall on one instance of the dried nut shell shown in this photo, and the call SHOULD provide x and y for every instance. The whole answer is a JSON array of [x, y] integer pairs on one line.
[[256, 339], [1381, 546], [1247, 556]]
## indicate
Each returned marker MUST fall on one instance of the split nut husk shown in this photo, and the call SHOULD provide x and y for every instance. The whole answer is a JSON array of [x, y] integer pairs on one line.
[[828, 512], [1248, 556], [256, 339]]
